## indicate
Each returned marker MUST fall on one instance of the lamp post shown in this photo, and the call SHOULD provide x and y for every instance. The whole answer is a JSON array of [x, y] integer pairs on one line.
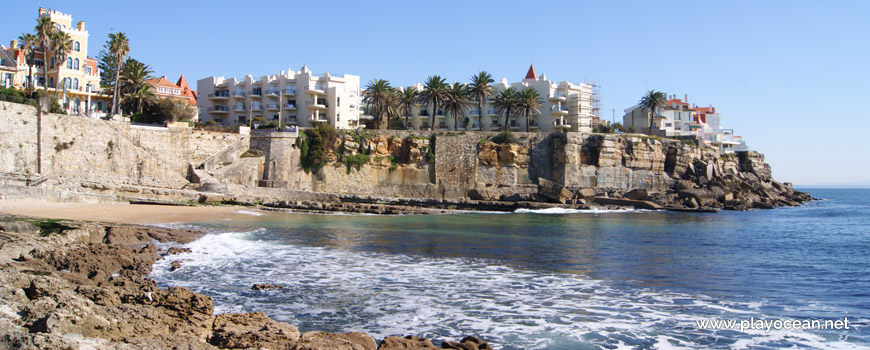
[[66, 107], [88, 87]]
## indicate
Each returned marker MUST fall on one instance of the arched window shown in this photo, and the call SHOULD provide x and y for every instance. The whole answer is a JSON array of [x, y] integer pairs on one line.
[[75, 85], [76, 64], [77, 104], [69, 62], [77, 47], [65, 102], [51, 82], [67, 82], [51, 63]]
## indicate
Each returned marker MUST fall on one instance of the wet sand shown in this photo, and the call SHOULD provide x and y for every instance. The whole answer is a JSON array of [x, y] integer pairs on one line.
[[118, 212]]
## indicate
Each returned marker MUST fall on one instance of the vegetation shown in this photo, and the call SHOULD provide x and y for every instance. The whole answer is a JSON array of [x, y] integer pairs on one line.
[[653, 102], [62, 45], [530, 103], [480, 90], [135, 90], [608, 129], [356, 161], [690, 142], [435, 91], [48, 227], [315, 146], [30, 44], [44, 30], [505, 137], [456, 101], [381, 100], [506, 102], [251, 153], [119, 48], [407, 98]]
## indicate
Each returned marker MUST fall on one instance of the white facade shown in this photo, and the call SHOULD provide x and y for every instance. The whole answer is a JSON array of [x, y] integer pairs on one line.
[[566, 106], [295, 98]]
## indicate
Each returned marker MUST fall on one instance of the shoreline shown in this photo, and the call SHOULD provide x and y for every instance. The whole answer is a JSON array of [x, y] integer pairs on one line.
[[119, 213], [83, 284]]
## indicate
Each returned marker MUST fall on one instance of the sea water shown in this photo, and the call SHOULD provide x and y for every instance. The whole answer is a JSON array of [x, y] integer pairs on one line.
[[550, 279]]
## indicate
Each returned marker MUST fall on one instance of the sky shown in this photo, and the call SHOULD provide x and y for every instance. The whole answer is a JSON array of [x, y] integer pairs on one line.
[[791, 77]]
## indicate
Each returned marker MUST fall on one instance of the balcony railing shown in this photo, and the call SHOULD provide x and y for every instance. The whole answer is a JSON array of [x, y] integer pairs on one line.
[[240, 94], [256, 93], [219, 95], [316, 104], [218, 109], [273, 92], [273, 106], [256, 108], [290, 106], [290, 91], [240, 108]]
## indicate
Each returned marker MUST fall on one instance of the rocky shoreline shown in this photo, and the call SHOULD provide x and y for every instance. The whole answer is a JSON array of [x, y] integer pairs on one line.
[[75, 285]]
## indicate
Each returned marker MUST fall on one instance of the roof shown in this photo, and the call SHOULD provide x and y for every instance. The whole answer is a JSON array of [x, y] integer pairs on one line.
[[531, 74], [162, 82]]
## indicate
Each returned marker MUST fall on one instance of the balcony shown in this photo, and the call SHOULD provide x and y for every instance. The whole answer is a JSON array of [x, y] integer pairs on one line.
[[533, 124], [257, 108], [219, 109], [257, 93], [558, 111], [223, 95], [315, 105], [317, 118], [273, 106], [315, 90], [474, 112], [239, 94], [558, 97], [290, 92], [561, 123], [240, 108], [292, 121], [290, 106], [273, 92]]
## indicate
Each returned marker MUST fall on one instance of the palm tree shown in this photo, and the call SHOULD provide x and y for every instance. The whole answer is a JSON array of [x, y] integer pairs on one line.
[[457, 102], [134, 82], [380, 98], [653, 102], [44, 33], [119, 47], [29, 44], [530, 103], [480, 90], [407, 99], [506, 102], [434, 92], [62, 45], [141, 95]]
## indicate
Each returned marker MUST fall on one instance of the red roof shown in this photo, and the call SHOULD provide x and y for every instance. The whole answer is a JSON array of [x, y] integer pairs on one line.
[[531, 74], [701, 116], [162, 82]]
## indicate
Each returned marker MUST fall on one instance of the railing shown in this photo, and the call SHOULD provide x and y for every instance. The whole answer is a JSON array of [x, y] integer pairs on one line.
[[219, 94], [290, 106], [290, 91], [533, 123], [256, 108], [240, 94], [312, 103], [273, 106], [273, 92], [256, 93], [218, 108], [240, 108], [558, 94], [292, 121]]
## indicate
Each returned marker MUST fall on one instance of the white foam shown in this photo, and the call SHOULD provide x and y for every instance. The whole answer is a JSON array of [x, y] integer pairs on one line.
[[249, 212], [572, 211], [338, 290]]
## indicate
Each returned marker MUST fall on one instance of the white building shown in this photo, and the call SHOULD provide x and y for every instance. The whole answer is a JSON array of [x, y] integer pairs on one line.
[[566, 106], [295, 98]]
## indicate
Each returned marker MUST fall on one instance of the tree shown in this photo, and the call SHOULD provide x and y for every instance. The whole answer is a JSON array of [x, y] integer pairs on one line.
[[380, 97], [653, 102], [119, 47], [106, 65], [44, 33], [434, 92], [29, 43], [530, 103], [456, 102], [134, 83], [480, 90], [407, 99], [506, 102], [61, 45]]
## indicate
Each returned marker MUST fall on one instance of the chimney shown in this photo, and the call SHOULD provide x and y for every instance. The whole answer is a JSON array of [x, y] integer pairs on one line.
[[81, 26], [686, 100], [42, 11]]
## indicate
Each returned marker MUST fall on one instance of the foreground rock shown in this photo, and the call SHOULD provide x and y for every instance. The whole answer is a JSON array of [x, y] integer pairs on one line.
[[73, 290]]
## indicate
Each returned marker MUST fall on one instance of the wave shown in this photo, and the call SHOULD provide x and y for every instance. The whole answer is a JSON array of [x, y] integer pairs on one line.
[[341, 290], [574, 211]]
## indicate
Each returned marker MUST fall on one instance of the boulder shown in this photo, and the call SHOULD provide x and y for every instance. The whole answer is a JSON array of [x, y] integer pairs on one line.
[[252, 330], [335, 341], [406, 342], [554, 191], [483, 194], [468, 343], [175, 250], [636, 194], [266, 286], [587, 193], [488, 154]]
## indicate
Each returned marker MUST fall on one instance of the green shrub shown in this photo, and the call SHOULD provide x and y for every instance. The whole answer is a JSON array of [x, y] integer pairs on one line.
[[251, 153], [505, 137], [316, 146], [356, 161]]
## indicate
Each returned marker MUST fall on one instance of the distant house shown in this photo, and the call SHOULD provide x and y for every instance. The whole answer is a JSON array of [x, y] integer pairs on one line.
[[164, 88], [8, 67]]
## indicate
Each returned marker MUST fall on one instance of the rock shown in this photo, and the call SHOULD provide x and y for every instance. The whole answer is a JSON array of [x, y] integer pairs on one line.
[[554, 191], [698, 194], [468, 343], [252, 330], [691, 202], [587, 193], [627, 203], [488, 154], [175, 265], [636, 194], [214, 187], [407, 342], [266, 286], [335, 341], [174, 250], [483, 194]]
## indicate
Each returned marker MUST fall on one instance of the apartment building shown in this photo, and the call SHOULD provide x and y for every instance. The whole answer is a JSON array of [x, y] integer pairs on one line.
[[76, 80], [566, 106], [294, 98]]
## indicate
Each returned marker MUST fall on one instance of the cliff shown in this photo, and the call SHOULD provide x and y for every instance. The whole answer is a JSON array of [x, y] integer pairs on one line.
[[86, 159]]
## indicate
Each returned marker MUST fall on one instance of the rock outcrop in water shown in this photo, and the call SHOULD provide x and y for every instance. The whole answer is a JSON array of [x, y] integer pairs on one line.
[[67, 287]]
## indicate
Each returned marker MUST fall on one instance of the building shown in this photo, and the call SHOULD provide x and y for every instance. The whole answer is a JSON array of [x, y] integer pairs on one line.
[[293, 98], [76, 80], [8, 67], [167, 89], [680, 120], [566, 106]]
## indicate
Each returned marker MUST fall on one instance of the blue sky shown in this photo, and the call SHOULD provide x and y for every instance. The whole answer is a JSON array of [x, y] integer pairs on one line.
[[792, 77]]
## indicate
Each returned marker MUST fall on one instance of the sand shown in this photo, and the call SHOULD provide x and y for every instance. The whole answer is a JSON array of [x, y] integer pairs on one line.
[[119, 212]]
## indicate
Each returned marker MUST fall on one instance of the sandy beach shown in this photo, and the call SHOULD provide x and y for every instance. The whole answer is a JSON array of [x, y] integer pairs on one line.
[[117, 212]]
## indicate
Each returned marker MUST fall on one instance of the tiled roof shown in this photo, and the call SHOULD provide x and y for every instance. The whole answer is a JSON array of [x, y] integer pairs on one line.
[[531, 74], [162, 82]]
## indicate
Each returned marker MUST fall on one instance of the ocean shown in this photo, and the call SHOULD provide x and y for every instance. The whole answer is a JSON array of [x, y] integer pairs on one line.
[[552, 279]]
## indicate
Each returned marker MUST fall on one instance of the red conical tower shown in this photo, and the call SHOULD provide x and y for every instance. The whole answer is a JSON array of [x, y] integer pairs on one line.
[[531, 74]]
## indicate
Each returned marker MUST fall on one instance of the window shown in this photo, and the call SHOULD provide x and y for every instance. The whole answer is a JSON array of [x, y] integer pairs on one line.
[[51, 81], [51, 63], [75, 85], [242, 119], [69, 62], [274, 117], [2, 61], [76, 64], [38, 63], [76, 46], [338, 101], [88, 70], [67, 83]]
